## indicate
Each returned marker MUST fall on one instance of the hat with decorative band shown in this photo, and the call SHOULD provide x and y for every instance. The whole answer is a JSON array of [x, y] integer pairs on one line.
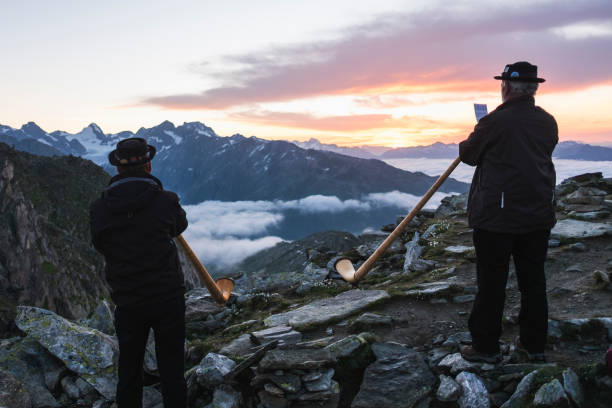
[[131, 152], [520, 71]]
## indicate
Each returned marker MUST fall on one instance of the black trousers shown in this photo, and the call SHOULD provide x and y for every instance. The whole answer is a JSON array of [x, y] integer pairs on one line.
[[493, 252], [133, 324]]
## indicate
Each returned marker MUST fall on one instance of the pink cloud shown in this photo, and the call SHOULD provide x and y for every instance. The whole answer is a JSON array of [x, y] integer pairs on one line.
[[437, 50], [348, 123]]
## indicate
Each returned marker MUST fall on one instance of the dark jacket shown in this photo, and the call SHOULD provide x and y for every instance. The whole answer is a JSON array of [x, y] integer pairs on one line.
[[513, 186], [132, 225]]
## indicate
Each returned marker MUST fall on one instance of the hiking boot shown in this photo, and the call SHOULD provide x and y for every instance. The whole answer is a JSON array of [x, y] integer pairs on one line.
[[532, 357], [471, 354]]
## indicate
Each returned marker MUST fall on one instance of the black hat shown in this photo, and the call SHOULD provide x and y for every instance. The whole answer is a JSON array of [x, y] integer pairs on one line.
[[520, 71], [131, 152]]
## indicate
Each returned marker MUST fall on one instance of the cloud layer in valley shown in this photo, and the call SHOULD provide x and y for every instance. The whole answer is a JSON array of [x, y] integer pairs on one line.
[[224, 233]]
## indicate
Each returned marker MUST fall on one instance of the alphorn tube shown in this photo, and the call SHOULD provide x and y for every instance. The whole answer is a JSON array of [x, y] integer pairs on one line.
[[221, 289], [345, 267]]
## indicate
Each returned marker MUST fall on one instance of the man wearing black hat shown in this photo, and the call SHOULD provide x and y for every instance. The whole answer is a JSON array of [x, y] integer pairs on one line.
[[511, 209], [132, 225]]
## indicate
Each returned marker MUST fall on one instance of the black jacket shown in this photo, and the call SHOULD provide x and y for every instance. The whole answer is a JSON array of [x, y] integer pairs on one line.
[[513, 186], [132, 225]]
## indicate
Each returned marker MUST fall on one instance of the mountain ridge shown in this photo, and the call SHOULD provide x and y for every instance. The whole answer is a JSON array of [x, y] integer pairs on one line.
[[200, 165]]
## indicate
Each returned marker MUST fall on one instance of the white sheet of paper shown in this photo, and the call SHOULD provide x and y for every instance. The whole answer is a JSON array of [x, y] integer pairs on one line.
[[480, 109]]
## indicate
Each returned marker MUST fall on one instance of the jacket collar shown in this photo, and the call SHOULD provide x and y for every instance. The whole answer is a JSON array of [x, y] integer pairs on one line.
[[141, 176], [523, 99]]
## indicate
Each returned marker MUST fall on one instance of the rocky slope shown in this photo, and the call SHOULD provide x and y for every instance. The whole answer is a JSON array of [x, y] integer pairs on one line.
[[46, 256], [315, 341]]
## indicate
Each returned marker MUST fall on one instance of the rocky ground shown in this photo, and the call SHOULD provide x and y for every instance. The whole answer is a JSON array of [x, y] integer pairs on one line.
[[295, 335]]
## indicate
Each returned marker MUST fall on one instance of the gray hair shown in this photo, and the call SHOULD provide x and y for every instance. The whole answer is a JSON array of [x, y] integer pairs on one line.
[[522, 88]]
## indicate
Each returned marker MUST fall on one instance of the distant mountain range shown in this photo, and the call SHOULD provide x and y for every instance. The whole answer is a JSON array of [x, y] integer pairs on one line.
[[200, 165], [564, 150]]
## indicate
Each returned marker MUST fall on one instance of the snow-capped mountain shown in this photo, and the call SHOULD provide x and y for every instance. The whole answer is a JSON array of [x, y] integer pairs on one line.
[[362, 152], [434, 151], [192, 160]]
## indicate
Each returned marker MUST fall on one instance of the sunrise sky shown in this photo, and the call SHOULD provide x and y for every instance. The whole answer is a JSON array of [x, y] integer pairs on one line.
[[390, 72]]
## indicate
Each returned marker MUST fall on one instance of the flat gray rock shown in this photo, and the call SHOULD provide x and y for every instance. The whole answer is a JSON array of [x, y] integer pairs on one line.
[[88, 352], [299, 359], [324, 311], [399, 377], [284, 334], [429, 290], [367, 321], [574, 229], [459, 249], [346, 346], [323, 382]]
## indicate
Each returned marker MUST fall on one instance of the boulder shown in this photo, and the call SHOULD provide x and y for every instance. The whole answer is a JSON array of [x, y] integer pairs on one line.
[[212, 370], [575, 229], [199, 304], [328, 310], [474, 393], [28, 361], [102, 319], [225, 397], [399, 377], [239, 346], [88, 352], [455, 340], [448, 390], [551, 394], [12, 393], [413, 252], [320, 381], [450, 205], [313, 273], [523, 389], [151, 398], [455, 363], [70, 388]]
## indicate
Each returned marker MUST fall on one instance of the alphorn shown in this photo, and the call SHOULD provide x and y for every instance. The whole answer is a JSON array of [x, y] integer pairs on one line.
[[221, 289], [345, 267]]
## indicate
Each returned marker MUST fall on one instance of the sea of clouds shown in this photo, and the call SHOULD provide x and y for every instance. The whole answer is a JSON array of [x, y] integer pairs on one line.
[[565, 168], [225, 233]]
